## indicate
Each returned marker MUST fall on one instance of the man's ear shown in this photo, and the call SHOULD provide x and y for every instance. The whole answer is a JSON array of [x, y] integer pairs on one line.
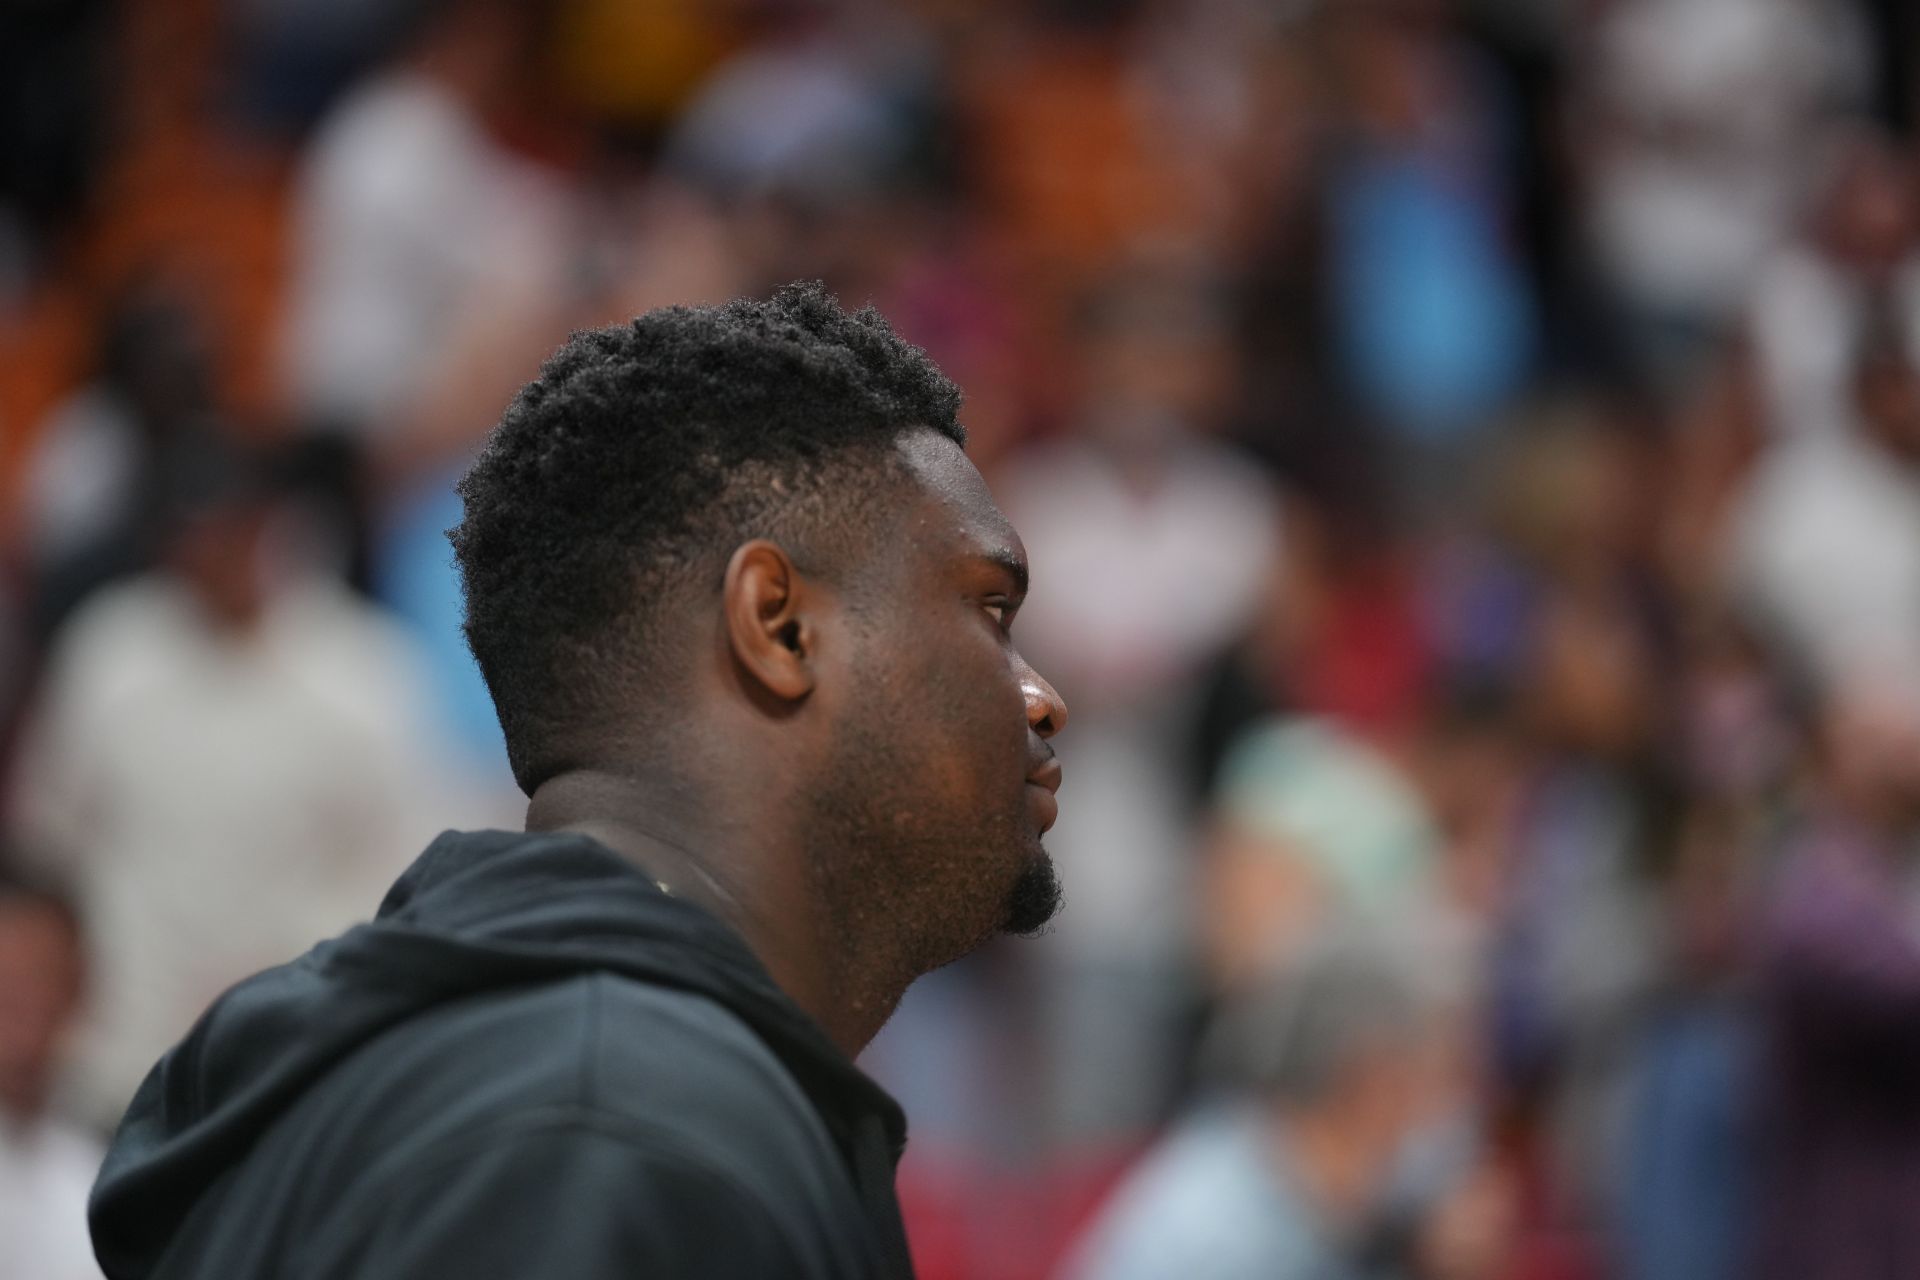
[[768, 627]]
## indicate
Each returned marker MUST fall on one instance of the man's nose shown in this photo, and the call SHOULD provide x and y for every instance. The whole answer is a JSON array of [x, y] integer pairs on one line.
[[1046, 710]]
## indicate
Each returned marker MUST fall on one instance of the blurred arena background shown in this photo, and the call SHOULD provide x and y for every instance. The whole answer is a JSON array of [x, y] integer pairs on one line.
[[1470, 455]]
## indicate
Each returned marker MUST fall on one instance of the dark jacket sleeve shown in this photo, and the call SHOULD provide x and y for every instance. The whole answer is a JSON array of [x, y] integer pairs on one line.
[[572, 1199]]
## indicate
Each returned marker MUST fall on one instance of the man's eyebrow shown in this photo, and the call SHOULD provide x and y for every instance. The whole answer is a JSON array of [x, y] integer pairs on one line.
[[1015, 567]]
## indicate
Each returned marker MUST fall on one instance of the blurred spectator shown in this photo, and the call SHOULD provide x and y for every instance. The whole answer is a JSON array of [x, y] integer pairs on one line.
[[430, 264], [46, 1166], [1686, 1174], [1718, 430], [1580, 942], [1692, 129], [1314, 831], [423, 247], [1825, 542], [1840, 1118], [1312, 1165], [1817, 296], [1560, 610], [1429, 307], [90, 505], [1469, 761], [224, 762]]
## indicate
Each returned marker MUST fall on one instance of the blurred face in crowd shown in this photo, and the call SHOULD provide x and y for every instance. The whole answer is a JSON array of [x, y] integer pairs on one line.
[[1573, 495], [483, 47], [1589, 683], [218, 553], [39, 991]]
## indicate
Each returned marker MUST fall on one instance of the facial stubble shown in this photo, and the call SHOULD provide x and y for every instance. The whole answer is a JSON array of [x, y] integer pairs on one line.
[[912, 872]]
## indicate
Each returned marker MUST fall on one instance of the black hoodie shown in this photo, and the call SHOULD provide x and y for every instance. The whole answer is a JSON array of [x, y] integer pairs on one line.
[[533, 1062]]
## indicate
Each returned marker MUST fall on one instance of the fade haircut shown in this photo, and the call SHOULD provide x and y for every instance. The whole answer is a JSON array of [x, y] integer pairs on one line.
[[629, 470]]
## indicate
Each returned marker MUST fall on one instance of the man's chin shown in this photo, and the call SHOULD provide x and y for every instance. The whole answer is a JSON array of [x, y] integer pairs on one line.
[[1036, 897]]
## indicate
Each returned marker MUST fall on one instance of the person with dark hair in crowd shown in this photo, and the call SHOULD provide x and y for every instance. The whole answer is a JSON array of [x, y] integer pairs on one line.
[[744, 607], [46, 1165]]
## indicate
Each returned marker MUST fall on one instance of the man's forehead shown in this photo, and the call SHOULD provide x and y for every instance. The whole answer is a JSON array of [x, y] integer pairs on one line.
[[949, 477]]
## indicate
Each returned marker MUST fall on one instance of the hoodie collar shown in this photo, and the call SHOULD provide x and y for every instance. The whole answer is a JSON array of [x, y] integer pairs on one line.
[[475, 911]]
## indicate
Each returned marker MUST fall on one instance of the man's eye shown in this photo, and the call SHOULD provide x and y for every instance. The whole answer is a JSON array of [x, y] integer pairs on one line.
[[1001, 611]]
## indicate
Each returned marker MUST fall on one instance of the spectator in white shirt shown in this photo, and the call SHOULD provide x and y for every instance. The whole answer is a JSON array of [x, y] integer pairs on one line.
[[1826, 539], [224, 761]]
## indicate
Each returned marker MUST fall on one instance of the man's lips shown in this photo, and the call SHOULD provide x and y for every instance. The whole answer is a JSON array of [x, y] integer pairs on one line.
[[1041, 785]]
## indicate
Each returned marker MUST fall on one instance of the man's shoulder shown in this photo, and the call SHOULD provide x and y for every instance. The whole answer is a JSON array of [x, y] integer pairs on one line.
[[656, 1108], [607, 1051]]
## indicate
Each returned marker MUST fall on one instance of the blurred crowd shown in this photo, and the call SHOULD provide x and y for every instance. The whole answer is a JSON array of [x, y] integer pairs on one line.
[[1469, 452]]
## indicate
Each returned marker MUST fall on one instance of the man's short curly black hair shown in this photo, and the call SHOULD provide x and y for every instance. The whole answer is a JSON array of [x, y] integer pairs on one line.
[[637, 461]]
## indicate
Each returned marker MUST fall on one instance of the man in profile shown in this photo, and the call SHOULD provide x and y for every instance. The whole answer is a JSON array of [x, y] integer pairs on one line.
[[744, 607]]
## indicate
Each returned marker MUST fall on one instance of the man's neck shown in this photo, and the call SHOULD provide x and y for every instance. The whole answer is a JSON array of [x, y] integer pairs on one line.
[[745, 870]]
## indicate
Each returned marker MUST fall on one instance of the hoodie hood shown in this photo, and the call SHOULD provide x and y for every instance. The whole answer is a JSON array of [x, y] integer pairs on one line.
[[476, 911]]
